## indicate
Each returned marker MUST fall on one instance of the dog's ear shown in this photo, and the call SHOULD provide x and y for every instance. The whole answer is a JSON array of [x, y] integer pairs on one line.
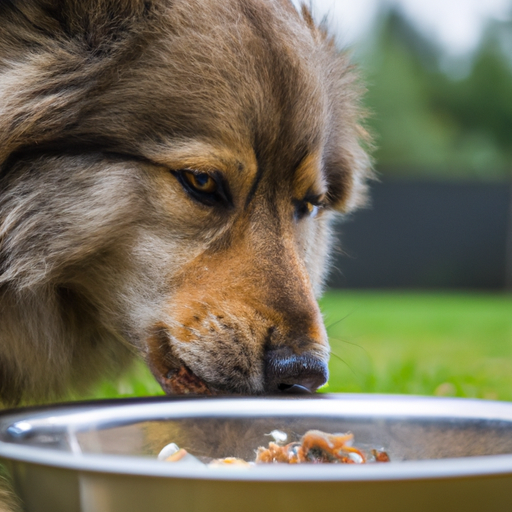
[[348, 168], [54, 54], [347, 164]]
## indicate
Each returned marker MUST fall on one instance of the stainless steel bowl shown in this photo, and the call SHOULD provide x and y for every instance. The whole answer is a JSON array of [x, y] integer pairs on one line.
[[447, 455]]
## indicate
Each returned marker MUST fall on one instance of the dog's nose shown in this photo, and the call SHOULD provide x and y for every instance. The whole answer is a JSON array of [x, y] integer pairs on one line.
[[286, 372]]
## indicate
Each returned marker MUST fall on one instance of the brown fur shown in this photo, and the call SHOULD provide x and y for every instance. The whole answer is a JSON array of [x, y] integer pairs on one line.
[[102, 252]]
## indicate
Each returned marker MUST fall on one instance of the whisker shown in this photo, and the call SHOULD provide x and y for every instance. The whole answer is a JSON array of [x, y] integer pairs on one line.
[[343, 361], [350, 343], [330, 326]]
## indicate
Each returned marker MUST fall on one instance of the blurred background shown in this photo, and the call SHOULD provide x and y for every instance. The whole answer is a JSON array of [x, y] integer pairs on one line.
[[420, 296], [419, 299], [439, 77]]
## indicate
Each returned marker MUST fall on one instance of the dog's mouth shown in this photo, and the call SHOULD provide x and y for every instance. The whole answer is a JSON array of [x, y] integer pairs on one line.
[[182, 381], [173, 375]]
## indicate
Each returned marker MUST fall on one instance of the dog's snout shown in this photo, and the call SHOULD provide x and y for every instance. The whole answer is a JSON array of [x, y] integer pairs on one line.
[[287, 372]]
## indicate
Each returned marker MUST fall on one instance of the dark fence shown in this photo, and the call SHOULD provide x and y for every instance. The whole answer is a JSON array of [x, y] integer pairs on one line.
[[428, 235]]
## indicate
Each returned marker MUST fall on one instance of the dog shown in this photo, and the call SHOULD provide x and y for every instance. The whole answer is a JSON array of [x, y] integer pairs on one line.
[[169, 174]]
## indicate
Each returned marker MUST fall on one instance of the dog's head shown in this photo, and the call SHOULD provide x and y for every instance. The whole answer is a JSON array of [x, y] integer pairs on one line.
[[170, 172]]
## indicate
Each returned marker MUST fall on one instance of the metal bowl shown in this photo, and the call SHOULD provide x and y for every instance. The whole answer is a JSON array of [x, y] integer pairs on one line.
[[447, 455]]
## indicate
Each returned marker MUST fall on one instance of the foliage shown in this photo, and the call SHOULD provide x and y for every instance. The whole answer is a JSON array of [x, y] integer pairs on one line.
[[430, 123]]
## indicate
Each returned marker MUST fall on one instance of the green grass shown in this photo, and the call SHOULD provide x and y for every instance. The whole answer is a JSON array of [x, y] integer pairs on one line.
[[420, 343], [449, 344]]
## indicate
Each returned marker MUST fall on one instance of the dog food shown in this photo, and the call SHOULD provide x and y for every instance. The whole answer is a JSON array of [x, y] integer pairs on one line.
[[314, 447]]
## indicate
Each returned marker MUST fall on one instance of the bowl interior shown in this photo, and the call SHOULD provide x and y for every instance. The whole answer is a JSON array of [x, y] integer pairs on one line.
[[410, 429], [229, 437]]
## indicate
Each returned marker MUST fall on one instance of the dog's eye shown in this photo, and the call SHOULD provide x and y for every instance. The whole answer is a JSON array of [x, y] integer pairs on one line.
[[209, 188], [200, 181], [306, 209]]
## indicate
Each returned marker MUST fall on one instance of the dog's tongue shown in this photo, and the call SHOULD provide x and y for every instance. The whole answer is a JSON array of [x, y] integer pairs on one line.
[[184, 382]]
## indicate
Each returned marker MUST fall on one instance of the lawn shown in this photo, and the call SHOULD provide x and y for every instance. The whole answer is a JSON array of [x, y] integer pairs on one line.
[[421, 343], [447, 344]]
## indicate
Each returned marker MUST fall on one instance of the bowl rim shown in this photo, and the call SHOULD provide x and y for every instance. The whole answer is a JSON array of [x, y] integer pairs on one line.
[[125, 411]]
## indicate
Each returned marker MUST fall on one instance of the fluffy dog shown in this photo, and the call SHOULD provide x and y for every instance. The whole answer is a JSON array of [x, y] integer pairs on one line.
[[169, 170]]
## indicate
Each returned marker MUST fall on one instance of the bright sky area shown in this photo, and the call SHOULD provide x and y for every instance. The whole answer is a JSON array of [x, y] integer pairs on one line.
[[456, 24]]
